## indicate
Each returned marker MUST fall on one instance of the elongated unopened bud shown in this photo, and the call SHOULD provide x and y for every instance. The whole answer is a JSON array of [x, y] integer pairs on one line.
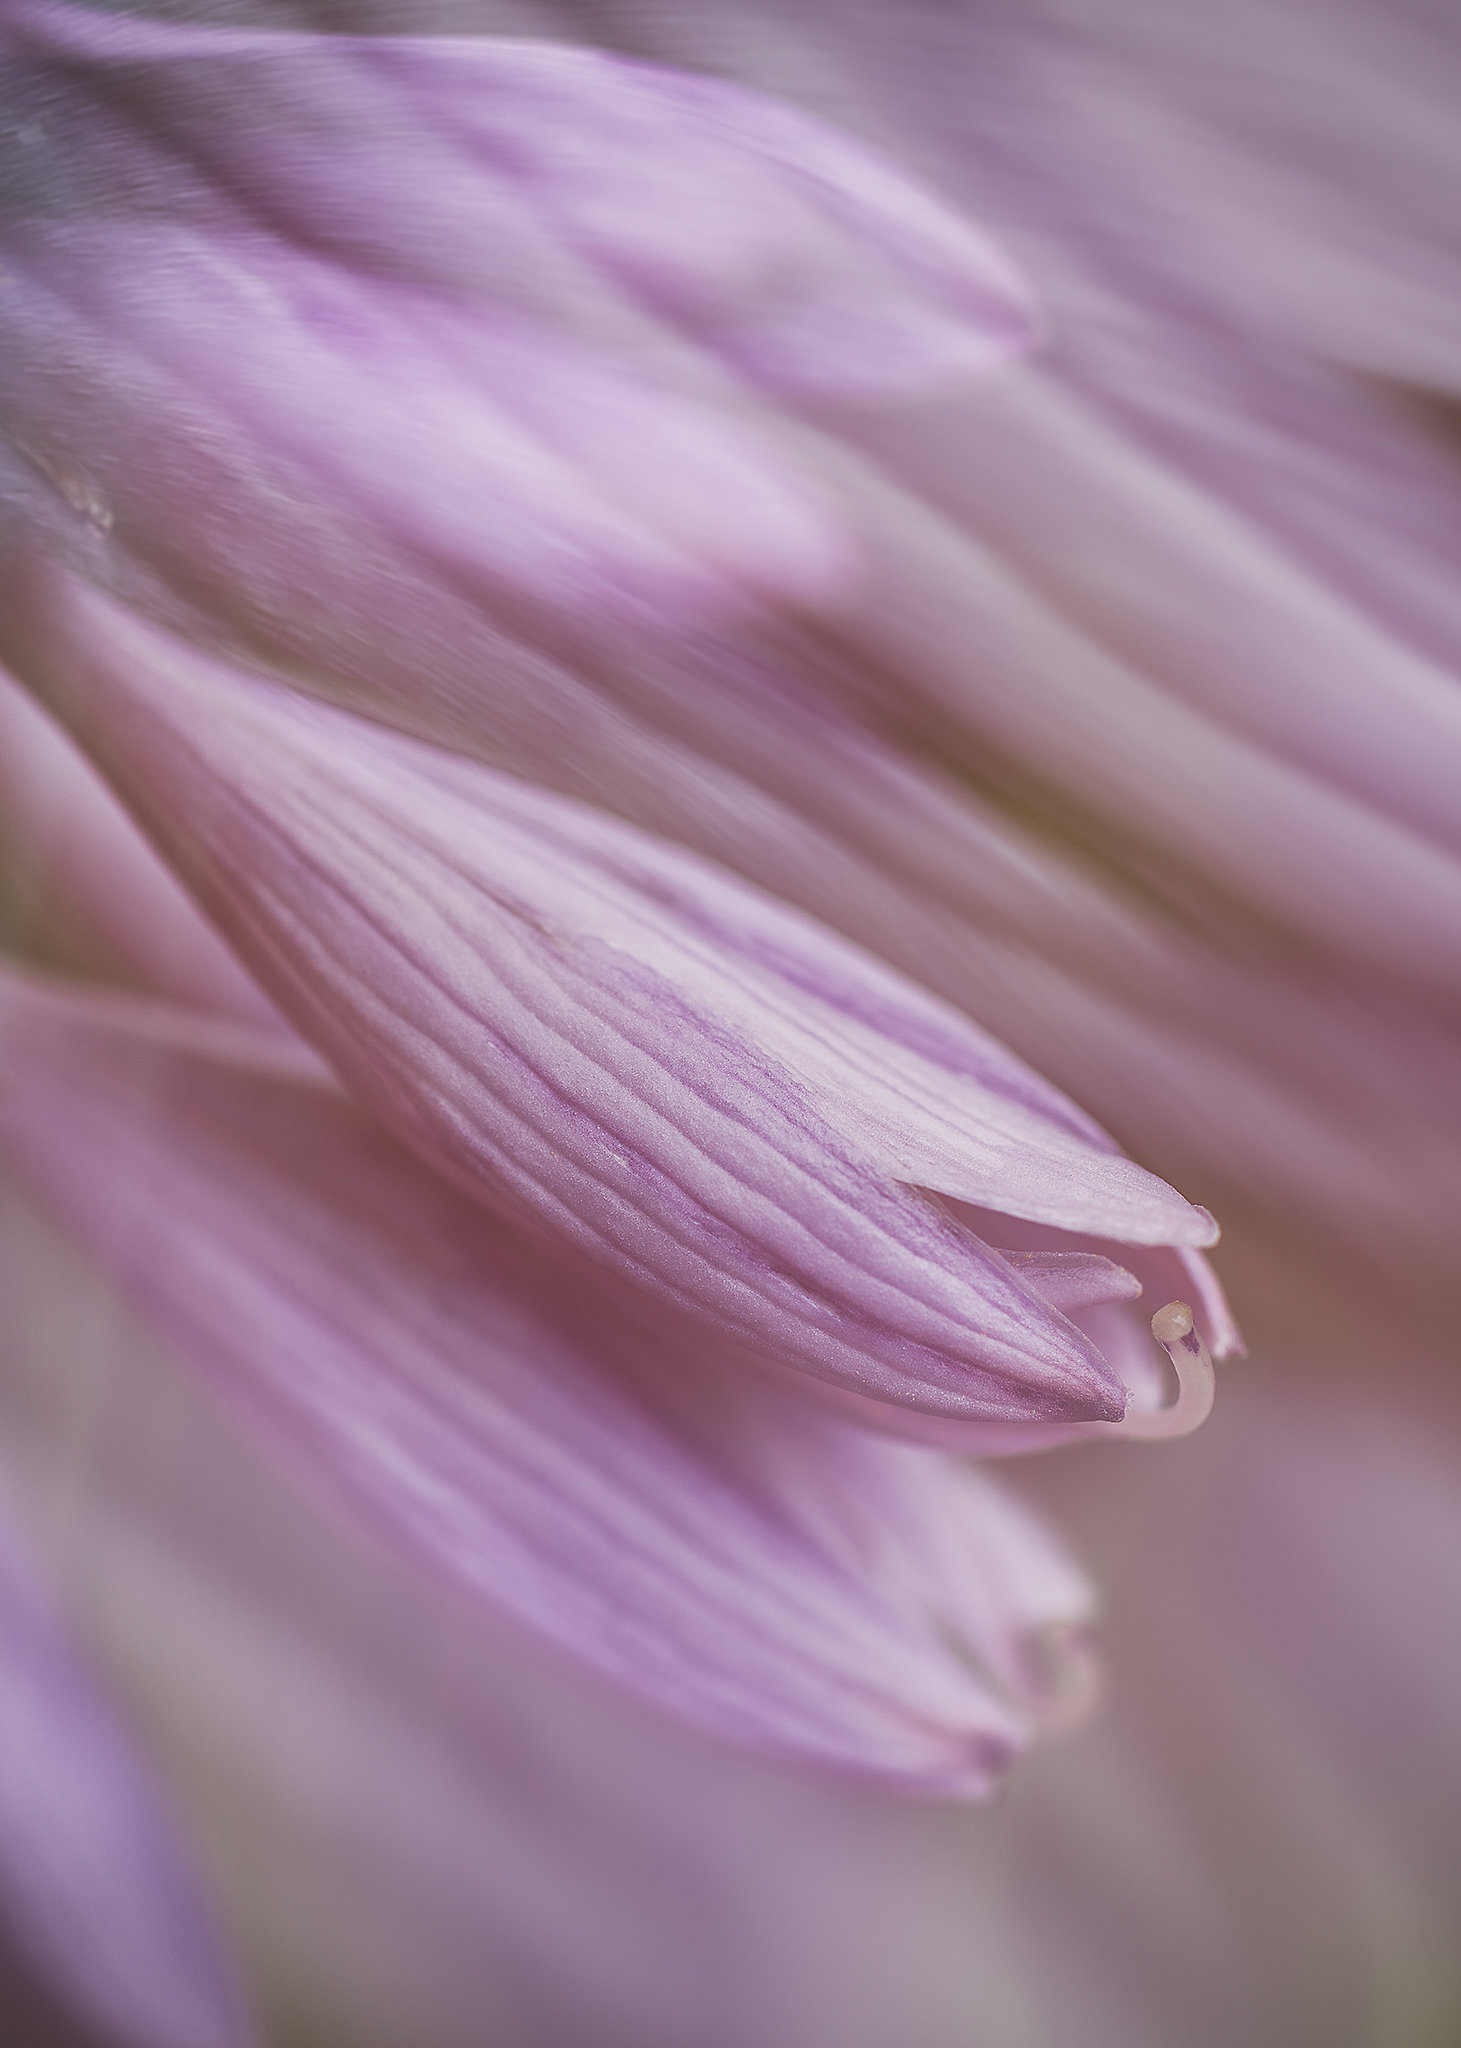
[[608, 1040]]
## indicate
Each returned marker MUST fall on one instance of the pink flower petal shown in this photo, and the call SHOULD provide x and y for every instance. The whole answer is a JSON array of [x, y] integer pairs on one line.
[[738, 1558], [595, 1032]]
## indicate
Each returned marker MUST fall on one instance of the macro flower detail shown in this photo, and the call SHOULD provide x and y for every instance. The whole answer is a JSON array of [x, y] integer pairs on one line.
[[599, 1471], [550, 691], [723, 1103], [94, 1891], [289, 419]]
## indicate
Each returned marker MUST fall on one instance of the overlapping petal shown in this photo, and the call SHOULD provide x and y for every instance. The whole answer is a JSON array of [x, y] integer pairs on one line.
[[433, 312], [556, 1450], [986, 773], [1140, 748], [725, 1104], [80, 888], [1212, 532]]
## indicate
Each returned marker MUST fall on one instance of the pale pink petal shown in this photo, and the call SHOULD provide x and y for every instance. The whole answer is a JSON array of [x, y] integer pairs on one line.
[[756, 1568], [430, 314]]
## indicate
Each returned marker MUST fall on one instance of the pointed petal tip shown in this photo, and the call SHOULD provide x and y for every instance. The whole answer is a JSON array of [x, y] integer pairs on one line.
[[1212, 1229], [1071, 1280]]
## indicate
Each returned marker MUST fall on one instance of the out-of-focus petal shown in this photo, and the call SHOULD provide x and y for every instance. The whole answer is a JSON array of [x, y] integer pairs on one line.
[[426, 1827], [422, 313], [1035, 774], [1331, 738], [93, 1888], [1317, 208], [1273, 1798], [1028, 772], [754, 1566], [722, 1103], [526, 177]]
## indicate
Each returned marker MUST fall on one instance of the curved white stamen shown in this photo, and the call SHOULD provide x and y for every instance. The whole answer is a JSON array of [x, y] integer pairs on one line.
[[1174, 1329]]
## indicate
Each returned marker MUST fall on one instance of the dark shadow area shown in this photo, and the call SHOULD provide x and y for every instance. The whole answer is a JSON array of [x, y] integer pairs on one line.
[[32, 2014]]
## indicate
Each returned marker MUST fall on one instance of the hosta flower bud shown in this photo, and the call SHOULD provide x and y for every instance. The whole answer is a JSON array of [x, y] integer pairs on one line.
[[629, 1051]]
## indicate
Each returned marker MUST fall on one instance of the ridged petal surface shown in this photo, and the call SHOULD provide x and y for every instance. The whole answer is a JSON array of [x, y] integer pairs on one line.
[[550, 1447]]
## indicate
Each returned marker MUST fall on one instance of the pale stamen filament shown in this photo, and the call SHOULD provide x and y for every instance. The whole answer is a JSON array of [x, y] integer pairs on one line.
[[1174, 1329]]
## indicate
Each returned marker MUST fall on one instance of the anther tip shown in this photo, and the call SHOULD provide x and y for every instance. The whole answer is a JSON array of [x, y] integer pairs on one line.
[[1172, 1323]]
